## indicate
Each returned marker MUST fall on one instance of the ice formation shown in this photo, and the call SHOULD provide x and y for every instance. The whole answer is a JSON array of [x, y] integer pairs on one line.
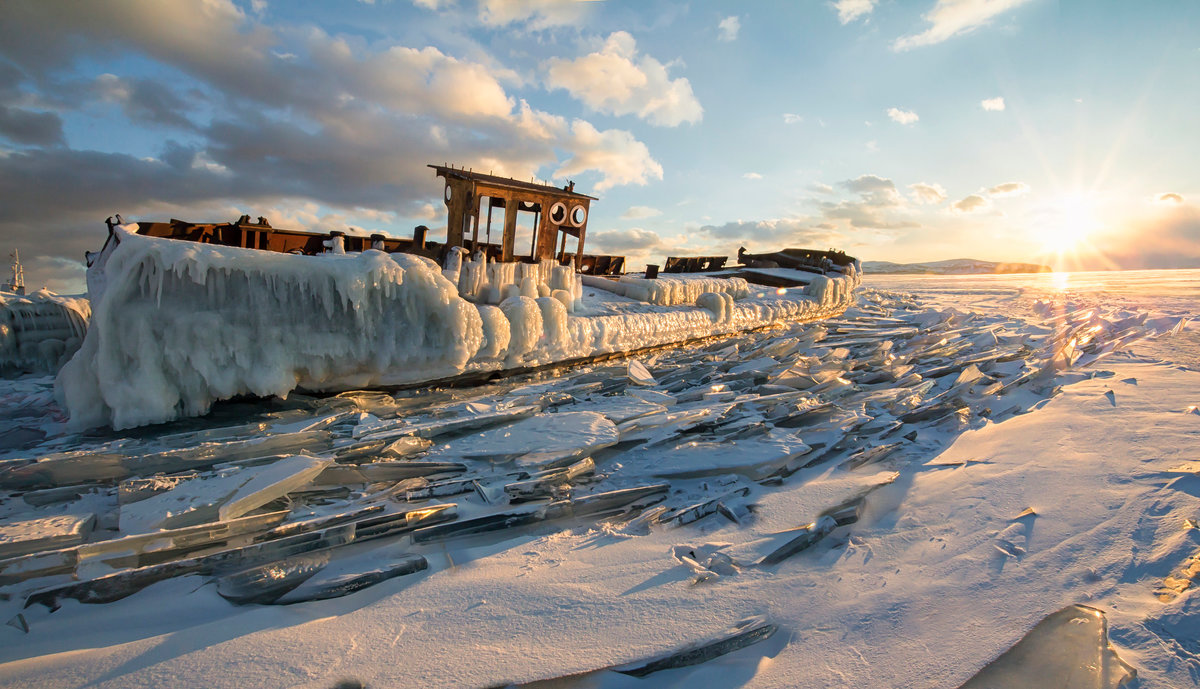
[[670, 290], [178, 326], [41, 331]]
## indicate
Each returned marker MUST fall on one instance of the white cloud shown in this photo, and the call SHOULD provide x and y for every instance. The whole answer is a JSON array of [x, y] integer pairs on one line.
[[992, 104], [971, 204], [617, 81], [536, 14], [1009, 189], [849, 10], [950, 18], [902, 116], [927, 194], [873, 189], [640, 212], [790, 118], [822, 188], [752, 175], [728, 29], [620, 158], [1169, 197]]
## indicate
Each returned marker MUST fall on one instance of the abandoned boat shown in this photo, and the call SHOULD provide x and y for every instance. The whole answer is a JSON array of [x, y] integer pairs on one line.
[[40, 330], [187, 314]]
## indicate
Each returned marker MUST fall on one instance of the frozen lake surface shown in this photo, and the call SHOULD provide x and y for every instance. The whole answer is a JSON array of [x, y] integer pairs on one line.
[[960, 470]]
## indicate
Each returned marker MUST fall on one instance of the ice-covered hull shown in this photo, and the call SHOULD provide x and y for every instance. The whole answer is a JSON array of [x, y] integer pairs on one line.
[[38, 332], [179, 325]]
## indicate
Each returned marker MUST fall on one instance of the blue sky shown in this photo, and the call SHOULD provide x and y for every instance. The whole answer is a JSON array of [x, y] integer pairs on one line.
[[1059, 132]]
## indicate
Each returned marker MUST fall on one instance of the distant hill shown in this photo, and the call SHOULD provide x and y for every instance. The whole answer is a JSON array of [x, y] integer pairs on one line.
[[954, 266]]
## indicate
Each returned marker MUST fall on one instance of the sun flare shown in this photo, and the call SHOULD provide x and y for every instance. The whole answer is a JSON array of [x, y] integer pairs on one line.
[[1075, 221]]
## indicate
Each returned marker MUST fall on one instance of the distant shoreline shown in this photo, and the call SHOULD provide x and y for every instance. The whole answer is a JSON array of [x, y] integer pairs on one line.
[[956, 266]]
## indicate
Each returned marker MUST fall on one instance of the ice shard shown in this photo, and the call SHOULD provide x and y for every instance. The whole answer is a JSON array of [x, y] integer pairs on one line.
[[1067, 650], [316, 588], [266, 583], [745, 633], [221, 497]]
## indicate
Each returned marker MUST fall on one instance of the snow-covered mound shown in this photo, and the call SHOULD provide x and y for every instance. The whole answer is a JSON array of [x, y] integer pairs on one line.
[[178, 326], [40, 331]]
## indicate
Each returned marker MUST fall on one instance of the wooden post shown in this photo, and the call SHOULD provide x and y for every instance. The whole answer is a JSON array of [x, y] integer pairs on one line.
[[475, 225], [547, 234], [538, 218], [489, 226], [456, 216], [510, 229]]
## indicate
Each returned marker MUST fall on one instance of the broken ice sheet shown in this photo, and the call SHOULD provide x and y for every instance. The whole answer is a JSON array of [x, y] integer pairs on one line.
[[543, 438], [1066, 650], [224, 496], [656, 428], [753, 457], [265, 583], [619, 408], [325, 587], [440, 427], [20, 537]]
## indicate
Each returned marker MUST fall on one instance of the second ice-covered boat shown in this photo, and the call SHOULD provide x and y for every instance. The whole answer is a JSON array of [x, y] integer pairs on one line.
[[184, 315]]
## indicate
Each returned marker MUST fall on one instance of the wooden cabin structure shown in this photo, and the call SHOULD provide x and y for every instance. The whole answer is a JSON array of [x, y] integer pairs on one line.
[[556, 219], [556, 215]]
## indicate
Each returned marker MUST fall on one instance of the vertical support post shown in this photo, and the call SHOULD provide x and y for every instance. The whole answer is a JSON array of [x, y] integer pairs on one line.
[[488, 230], [579, 250], [547, 235], [538, 219], [474, 224], [510, 229], [456, 216]]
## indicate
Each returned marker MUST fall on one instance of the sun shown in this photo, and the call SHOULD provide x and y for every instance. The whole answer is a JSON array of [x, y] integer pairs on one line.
[[1073, 220]]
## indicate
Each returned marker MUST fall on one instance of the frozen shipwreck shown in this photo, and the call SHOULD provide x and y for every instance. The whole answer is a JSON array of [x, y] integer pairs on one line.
[[39, 331], [186, 314]]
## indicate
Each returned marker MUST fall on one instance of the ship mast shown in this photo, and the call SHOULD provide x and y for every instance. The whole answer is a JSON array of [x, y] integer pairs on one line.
[[17, 283]]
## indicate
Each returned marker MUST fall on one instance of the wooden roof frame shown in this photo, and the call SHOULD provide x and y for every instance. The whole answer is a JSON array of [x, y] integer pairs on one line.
[[464, 189]]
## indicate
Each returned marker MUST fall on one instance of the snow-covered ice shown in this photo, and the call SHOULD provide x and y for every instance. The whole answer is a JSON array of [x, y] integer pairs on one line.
[[958, 472]]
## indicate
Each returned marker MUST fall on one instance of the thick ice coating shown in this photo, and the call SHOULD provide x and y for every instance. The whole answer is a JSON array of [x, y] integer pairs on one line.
[[40, 331], [181, 325], [178, 325]]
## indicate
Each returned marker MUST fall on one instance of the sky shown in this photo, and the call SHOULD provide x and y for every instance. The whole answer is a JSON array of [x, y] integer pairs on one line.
[[1060, 132]]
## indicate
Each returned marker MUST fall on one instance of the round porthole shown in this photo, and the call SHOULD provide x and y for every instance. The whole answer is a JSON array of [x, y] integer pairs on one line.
[[449, 193], [558, 213], [578, 216]]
